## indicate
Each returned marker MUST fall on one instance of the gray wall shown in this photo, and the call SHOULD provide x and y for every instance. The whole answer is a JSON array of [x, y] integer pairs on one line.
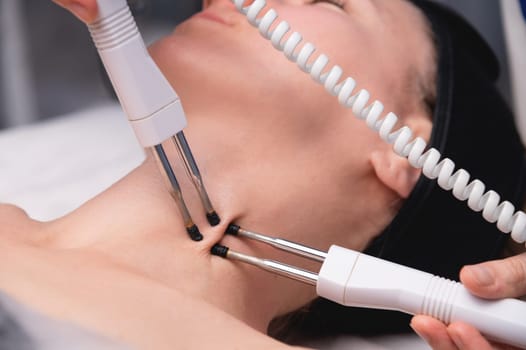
[[48, 65]]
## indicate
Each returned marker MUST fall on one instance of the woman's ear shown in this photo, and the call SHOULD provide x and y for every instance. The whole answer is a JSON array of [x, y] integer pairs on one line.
[[395, 171]]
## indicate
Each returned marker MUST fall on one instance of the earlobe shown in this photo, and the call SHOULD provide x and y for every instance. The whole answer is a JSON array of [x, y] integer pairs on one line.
[[394, 171]]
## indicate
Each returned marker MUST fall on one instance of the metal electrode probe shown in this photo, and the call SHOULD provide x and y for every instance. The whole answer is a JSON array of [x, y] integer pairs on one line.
[[193, 173], [149, 101], [175, 192], [352, 278]]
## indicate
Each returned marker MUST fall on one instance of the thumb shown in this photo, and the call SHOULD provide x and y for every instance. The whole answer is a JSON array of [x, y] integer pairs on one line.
[[497, 279], [85, 10]]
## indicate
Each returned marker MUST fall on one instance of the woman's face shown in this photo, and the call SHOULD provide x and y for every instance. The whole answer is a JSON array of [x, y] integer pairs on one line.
[[377, 42], [267, 137]]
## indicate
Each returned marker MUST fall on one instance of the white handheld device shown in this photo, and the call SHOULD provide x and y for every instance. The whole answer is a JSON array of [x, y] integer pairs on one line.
[[150, 103], [351, 278]]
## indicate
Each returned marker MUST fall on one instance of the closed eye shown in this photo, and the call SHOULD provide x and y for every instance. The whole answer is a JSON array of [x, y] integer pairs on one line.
[[337, 3]]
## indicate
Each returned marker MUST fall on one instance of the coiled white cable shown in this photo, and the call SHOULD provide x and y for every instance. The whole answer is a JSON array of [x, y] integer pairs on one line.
[[404, 144]]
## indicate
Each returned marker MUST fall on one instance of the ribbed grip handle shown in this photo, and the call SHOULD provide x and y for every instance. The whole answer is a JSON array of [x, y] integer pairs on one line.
[[112, 31], [439, 298], [354, 279], [149, 101], [500, 320]]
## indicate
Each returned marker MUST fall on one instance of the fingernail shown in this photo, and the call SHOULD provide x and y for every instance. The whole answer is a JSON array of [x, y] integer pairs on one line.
[[457, 340], [482, 274]]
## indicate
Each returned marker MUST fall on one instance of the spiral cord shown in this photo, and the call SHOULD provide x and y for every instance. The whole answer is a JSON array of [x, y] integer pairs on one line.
[[404, 144]]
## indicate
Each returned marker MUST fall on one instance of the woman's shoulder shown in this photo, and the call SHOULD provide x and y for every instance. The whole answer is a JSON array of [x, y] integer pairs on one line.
[[113, 303]]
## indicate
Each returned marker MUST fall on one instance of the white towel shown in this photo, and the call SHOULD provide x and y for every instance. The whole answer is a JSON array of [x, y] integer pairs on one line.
[[51, 168]]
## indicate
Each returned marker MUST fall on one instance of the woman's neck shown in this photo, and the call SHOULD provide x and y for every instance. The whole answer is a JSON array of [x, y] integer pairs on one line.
[[157, 247], [136, 226]]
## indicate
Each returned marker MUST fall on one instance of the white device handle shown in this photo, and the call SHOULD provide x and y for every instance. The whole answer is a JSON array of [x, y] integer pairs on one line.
[[149, 101], [351, 278]]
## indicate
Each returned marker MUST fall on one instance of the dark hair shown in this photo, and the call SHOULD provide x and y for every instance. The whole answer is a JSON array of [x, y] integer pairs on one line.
[[433, 231]]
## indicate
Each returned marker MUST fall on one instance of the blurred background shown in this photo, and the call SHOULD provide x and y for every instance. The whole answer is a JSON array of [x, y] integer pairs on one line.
[[49, 67], [48, 64]]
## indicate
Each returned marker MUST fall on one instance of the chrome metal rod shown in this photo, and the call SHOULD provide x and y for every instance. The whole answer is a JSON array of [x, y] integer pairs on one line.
[[175, 192], [193, 173], [285, 270], [285, 245]]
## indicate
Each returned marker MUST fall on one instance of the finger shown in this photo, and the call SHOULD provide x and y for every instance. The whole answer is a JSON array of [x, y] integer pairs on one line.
[[467, 337], [433, 332], [85, 10], [497, 279]]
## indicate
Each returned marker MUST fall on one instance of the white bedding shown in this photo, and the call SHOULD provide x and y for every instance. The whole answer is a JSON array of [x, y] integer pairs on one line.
[[51, 168]]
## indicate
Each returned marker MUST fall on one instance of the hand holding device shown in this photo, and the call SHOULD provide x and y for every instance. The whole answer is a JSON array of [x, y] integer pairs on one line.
[[491, 280], [355, 279]]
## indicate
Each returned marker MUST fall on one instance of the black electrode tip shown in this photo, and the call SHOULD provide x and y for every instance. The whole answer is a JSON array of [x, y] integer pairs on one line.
[[194, 233], [219, 250], [232, 229], [213, 218]]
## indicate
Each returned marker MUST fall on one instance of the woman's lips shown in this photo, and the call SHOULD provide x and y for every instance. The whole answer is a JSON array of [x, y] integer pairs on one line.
[[209, 15]]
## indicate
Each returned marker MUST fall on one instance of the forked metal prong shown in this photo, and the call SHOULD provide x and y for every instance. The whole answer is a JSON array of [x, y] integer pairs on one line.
[[193, 173], [175, 192], [273, 266], [279, 243]]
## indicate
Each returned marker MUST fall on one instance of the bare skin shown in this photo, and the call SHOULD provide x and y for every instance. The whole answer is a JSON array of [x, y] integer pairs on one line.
[[273, 164], [509, 275]]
